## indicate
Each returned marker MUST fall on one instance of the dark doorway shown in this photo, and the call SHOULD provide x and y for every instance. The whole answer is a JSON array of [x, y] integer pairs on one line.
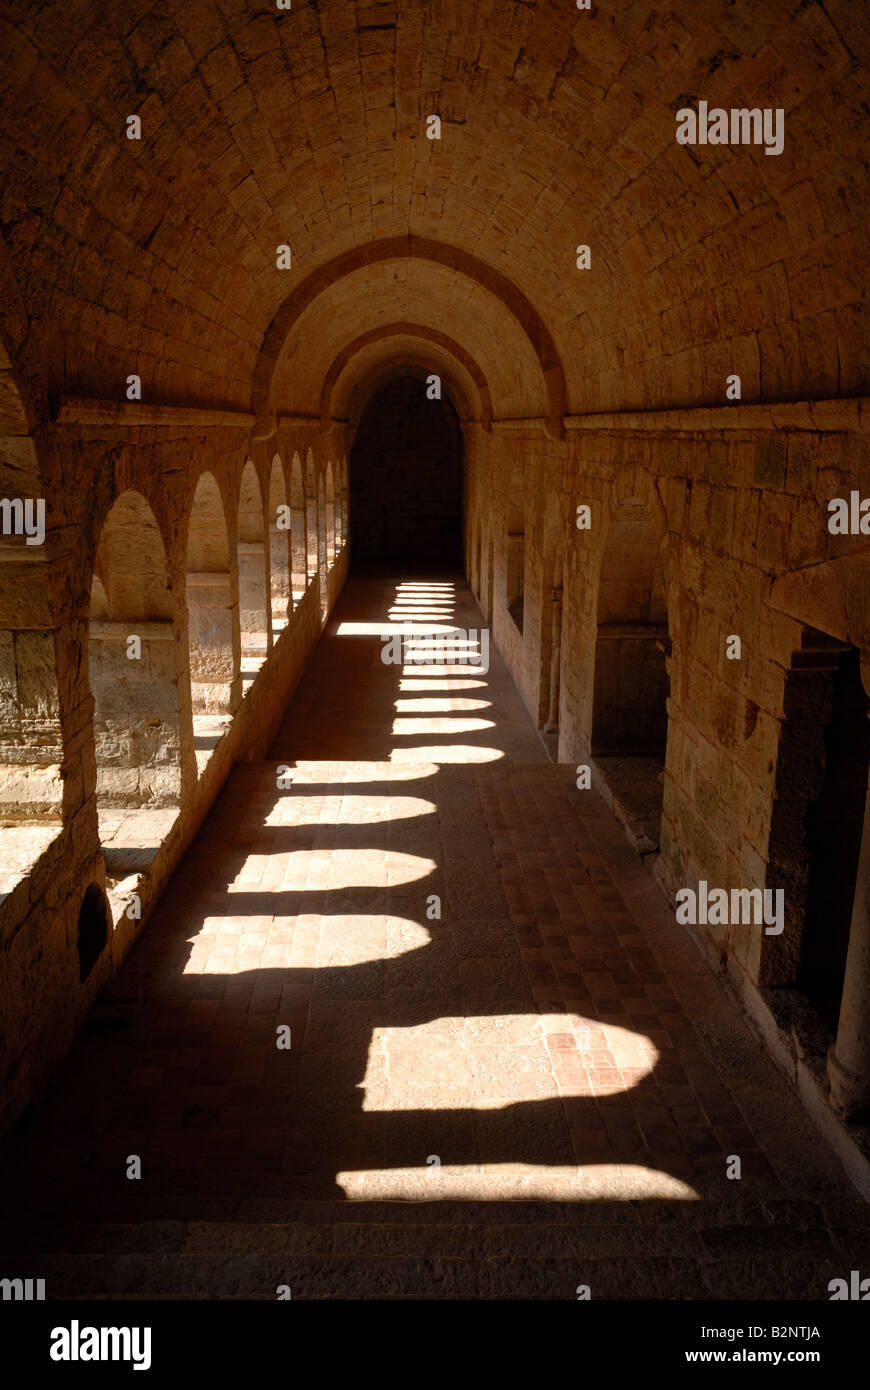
[[630, 691], [834, 824], [93, 929], [406, 477], [817, 819]]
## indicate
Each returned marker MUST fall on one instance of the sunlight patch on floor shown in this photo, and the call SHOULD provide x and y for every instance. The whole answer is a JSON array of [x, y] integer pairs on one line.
[[506, 1182]]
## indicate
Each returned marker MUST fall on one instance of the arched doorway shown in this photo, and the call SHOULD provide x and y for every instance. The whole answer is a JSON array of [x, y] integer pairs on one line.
[[406, 477]]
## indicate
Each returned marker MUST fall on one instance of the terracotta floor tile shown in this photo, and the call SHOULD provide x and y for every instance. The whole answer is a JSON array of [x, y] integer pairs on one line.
[[530, 1032]]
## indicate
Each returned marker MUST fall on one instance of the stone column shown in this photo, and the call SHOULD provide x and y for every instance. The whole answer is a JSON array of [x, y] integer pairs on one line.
[[253, 598], [280, 579], [552, 724], [214, 686], [849, 1058]]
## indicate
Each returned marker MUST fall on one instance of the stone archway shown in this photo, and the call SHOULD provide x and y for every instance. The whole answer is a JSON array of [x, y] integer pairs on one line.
[[132, 662]]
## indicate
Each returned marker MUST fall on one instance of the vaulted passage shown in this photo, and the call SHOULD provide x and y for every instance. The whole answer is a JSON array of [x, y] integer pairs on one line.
[[434, 647], [474, 978]]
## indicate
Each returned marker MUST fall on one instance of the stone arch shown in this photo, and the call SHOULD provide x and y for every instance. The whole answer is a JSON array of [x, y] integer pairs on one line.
[[31, 737], [360, 394], [438, 253], [406, 330], [310, 514], [297, 528], [253, 577], [280, 581], [212, 619], [133, 662]]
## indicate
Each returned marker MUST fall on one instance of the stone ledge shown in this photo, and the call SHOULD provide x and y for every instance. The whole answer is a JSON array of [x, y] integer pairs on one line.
[[849, 415], [21, 848], [84, 412]]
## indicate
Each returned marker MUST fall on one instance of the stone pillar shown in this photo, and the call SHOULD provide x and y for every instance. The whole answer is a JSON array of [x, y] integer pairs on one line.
[[552, 724], [253, 599], [214, 686], [279, 581], [136, 728], [849, 1058], [297, 546]]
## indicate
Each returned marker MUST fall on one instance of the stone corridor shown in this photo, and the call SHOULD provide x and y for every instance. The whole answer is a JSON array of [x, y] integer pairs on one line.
[[540, 1087], [542, 324]]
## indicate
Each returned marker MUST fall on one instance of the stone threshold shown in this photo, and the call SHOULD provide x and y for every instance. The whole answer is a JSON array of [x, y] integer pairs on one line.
[[631, 787]]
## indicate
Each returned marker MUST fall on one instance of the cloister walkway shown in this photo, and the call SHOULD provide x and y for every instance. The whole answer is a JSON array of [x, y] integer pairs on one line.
[[508, 1071]]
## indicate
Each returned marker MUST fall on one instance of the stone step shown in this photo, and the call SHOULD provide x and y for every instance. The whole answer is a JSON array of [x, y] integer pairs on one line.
[[453, 1240], [545, 1275], [454, 1250], [68, 1225], [185, 1203]]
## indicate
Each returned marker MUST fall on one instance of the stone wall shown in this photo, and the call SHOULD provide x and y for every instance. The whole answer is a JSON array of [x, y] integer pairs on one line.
[[739, 503]]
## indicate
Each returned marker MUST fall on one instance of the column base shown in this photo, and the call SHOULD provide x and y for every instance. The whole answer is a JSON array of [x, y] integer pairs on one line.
[[850, 1091]]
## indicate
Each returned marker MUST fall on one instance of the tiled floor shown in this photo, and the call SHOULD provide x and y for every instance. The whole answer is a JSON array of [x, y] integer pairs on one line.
[[487, 997]]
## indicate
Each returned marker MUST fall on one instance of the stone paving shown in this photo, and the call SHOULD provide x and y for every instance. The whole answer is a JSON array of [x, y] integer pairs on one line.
[[552, 1036]]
